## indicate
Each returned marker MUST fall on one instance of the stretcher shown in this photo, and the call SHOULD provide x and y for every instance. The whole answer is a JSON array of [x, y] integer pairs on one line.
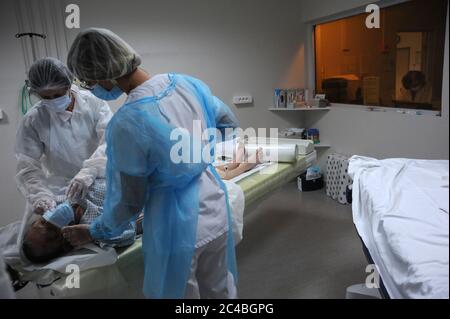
[[400, 211], [124, 278]]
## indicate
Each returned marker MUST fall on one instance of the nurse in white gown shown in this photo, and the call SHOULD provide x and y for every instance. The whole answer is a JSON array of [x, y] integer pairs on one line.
[[60, 144]]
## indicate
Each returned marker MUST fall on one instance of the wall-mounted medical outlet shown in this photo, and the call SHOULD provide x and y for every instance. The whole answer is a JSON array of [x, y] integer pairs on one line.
[[242, 99]]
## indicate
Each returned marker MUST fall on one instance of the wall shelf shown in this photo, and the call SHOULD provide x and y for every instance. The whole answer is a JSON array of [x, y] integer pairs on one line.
[[303, 109], [322, 146]]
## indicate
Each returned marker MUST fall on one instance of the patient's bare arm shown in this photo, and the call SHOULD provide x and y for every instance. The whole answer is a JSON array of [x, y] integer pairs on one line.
[[238, 157], [227, 173]]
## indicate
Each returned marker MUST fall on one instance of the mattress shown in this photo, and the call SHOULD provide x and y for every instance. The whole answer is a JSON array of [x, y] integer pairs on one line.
[[124, 278], [400, 210]]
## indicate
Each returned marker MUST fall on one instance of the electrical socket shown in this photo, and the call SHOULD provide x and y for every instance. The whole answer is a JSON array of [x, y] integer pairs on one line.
[[242, 99]]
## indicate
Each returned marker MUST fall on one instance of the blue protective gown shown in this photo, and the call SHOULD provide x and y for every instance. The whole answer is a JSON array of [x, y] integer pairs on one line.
[[185, 204]]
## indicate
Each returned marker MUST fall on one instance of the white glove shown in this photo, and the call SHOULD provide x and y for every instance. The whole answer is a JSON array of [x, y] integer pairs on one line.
[[79, 185], [42, 205]]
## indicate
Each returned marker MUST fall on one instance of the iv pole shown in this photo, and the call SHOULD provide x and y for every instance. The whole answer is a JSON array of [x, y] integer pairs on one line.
[[31, 35], [25, 102]]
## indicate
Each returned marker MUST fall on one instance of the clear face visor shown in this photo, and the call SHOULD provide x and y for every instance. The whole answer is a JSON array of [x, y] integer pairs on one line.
[[48, 94]]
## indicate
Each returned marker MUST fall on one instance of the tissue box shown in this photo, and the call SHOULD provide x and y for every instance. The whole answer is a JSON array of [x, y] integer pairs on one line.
[[305, 185]]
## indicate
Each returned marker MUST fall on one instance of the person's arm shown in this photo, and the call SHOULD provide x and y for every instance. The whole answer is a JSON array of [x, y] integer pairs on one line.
[[95, 165], [230, 171], [224, 117], [30, 177], [216, 109], [127, 175], [227, 174], [125, 199]]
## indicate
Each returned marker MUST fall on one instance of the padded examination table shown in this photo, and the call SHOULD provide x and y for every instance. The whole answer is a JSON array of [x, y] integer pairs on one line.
[[124, 278]]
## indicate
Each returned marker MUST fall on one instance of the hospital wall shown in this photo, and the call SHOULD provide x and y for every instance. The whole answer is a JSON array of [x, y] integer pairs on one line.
[[11, 80], [236, 46], [354, 130]]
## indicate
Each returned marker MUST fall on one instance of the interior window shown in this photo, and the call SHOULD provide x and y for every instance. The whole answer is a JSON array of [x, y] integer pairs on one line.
[[399, 64]]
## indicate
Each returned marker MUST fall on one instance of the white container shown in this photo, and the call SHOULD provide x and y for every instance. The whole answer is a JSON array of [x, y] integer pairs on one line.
[[291, 132], [275, 152], [290, 100], [279, 97]]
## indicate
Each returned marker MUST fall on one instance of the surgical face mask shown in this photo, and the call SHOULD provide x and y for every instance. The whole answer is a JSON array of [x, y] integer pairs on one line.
[[61, 216], [102, 93], [59, 104]]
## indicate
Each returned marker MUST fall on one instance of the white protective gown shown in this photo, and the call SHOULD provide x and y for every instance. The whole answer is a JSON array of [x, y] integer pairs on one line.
[[51, 148]]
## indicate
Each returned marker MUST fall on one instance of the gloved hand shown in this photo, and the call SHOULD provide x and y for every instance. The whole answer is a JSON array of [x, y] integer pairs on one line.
[[79, 185], [42, 205]]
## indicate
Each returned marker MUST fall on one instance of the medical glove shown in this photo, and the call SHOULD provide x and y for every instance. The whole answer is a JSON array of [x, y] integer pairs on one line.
[[42, 205], [79, 185]]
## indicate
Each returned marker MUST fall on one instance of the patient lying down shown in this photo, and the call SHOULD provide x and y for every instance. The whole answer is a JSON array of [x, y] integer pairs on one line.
[[48, 238], [44, 238]]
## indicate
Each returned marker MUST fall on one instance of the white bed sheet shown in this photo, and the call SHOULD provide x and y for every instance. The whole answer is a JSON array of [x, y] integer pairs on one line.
[[400, 209]]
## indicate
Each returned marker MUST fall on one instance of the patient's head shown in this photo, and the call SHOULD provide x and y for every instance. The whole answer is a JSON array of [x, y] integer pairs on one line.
[[43, 242]]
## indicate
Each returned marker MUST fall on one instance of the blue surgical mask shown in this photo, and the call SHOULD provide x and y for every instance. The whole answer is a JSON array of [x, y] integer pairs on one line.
[[102, 93], [59, 104], [61, 216]]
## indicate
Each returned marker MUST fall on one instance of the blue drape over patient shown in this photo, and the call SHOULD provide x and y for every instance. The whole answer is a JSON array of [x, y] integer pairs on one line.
[[141, 175]]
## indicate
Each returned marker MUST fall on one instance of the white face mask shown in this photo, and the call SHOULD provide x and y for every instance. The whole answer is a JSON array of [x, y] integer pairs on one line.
[[59, 104]]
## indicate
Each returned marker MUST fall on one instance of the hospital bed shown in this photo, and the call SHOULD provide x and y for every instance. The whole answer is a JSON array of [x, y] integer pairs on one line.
[[124, 278], [400, 210]]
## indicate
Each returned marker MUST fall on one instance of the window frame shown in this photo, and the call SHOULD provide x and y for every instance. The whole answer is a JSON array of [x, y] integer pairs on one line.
[[311, 62]]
